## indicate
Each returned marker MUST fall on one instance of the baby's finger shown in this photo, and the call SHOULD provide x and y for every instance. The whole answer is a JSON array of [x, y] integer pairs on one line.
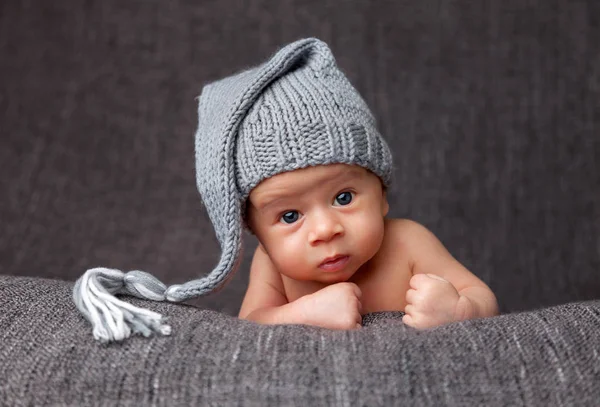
[[355, 289], [411, 296], [417, 280], [408, 320]]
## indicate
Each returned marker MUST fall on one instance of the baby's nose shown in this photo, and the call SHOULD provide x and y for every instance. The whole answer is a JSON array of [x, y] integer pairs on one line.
[[325, 228]]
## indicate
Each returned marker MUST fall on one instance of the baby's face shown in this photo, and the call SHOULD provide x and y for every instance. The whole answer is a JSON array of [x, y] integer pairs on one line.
[[319, 223]]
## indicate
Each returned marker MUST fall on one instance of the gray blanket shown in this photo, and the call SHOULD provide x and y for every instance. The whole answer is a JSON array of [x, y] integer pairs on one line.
[[48, 357]]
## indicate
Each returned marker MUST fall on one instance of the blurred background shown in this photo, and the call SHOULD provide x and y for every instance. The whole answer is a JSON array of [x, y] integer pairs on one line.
[[491, 108]]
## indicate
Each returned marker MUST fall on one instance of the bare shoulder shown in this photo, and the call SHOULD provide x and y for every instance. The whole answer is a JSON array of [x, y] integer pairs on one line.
[[406, 230], [400, 240], [413, 238]]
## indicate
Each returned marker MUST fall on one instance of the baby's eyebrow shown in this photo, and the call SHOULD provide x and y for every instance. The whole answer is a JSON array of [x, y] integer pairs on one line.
[[349, 175], [278, 198], [271, 201]]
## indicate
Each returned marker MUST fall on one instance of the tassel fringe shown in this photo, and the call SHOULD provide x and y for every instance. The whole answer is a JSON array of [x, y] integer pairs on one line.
[[111, 318]]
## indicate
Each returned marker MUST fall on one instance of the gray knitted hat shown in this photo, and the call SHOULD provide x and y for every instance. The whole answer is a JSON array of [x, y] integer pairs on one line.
[[295, 110]]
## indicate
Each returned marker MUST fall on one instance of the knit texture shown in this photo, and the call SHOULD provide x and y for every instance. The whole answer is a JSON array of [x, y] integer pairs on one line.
[[310, 116]]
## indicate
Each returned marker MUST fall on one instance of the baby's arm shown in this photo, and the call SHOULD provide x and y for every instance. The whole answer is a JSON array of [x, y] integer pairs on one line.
[[265, 300], [442, 290], [336, 306]]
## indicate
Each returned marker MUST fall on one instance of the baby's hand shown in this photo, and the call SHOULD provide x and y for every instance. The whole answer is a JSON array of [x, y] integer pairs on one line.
[[336, 307], [433, 301]]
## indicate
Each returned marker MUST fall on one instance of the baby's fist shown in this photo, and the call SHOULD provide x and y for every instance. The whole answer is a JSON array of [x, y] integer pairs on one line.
[[431, 301], [335, 307]]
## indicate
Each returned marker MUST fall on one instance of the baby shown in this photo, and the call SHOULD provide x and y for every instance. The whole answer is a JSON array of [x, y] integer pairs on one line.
[[290, 150], [327, 255]]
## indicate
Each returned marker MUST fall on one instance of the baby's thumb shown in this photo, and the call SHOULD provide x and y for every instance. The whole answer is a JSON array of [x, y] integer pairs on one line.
[[436, 277]]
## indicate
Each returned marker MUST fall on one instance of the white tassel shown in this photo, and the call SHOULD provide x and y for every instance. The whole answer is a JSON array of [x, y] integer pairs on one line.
[[111, 318]]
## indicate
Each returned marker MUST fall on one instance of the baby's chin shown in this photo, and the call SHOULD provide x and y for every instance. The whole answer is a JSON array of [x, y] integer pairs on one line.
[[337, 277], [325, 278]]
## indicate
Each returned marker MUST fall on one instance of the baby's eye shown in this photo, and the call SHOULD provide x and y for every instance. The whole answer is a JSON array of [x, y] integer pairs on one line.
[[289, 217], [344, 198]]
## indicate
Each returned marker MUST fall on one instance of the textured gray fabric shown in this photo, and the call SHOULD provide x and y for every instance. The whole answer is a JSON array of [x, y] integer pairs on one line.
[[544, 357], [311, 115]]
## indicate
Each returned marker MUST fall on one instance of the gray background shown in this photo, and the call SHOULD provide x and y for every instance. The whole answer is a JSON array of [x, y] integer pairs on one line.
[[491, 108]]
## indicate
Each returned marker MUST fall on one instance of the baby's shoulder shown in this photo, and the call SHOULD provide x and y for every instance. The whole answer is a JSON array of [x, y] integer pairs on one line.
[[406, 233], [413, 238], [404, 228]]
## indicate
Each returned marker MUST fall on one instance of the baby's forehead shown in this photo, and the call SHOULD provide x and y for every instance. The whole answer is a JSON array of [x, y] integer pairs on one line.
[[299, 181]]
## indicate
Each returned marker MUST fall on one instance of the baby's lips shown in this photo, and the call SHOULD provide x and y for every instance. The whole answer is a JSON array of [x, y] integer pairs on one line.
[[332, 259], [334, 263]]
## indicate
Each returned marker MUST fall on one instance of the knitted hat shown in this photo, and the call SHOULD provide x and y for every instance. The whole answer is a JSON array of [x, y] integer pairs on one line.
[[294, 111]]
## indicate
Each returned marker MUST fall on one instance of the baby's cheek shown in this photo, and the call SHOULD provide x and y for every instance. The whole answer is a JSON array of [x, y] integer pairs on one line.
[[290, 258], [369, 233]]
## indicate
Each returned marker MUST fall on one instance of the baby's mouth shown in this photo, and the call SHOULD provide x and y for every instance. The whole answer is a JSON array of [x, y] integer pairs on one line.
[[334, 263]]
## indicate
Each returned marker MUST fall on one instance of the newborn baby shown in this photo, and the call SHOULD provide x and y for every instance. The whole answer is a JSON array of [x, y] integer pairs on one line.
[[327, 254], [291, 150]]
